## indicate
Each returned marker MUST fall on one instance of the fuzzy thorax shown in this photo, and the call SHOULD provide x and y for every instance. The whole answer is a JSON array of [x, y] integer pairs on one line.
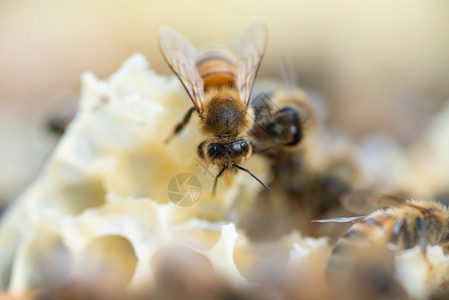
[[225, 113]]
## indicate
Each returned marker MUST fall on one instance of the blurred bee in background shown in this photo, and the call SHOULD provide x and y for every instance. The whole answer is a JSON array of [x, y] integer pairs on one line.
[[286, 122], [364, 256], [219, 84], [58, 118], [280, 117], [58, 122], [302, 194]]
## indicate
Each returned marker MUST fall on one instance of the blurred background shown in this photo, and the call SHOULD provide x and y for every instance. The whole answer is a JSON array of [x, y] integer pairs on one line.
[[381, 66]]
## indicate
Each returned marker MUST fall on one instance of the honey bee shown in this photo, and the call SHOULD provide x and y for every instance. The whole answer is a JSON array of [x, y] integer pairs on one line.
[[277, 123], [281, 117], [304, 191], [219, 83], [364, 256]]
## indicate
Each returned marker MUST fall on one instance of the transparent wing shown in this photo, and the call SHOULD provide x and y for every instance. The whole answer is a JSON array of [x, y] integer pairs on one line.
[[181, 55], [249, 49], [340, 220], [365, 202]]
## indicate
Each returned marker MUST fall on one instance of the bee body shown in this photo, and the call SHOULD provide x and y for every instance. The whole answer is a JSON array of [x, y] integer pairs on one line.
[[219, 83], [364, 256]]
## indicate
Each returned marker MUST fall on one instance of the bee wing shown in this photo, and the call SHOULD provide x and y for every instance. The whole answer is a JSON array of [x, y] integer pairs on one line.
[[181, 56], [249, 49], [365, 202], [339, 220]]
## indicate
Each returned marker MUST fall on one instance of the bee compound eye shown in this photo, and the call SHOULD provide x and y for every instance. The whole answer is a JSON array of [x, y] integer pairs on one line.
[[236, 148]]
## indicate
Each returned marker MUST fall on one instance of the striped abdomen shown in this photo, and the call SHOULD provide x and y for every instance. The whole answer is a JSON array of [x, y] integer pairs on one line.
[[361, 267], [217, 68], [371, 232]]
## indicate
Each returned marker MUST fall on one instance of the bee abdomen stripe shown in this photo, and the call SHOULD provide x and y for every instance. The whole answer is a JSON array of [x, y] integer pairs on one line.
[[338, 249], [336, 264], [372, 221], [353, 234], [397, 228], [218, 72], [213, 57]]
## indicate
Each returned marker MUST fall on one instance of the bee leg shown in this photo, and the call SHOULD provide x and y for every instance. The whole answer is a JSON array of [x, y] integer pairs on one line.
[[180, 125], [216, 180], [421, 230]]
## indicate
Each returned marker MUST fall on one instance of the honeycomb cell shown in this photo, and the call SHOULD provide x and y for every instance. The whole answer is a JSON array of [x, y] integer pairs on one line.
[[108, 261], [184, 273], [45, 263]]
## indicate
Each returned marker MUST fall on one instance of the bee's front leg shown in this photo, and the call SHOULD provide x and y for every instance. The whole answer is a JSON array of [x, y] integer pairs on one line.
[[180, 125]]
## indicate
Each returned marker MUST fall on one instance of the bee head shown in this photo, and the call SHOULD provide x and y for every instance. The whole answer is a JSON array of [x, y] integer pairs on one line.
[[228, 154]]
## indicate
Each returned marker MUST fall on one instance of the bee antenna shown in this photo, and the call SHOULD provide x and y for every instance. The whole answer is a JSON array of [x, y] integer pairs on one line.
[[216, 179], [288, 74], [254, 176]]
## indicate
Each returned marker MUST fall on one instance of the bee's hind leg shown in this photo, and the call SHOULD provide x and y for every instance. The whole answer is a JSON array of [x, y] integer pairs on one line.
[[180, 126]]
